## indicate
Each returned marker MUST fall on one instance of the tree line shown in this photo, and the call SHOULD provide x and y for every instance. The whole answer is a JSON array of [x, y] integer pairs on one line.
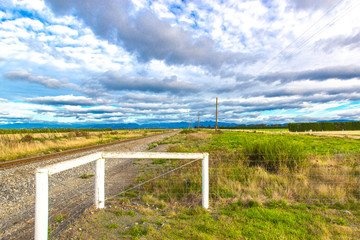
[[324, 126]]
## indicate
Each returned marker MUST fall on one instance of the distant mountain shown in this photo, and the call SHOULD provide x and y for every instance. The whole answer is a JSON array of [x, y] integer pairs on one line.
[[115, 125], [129, 125]]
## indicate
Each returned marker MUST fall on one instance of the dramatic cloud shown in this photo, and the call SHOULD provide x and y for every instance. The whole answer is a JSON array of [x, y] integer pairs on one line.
[[312, 4], [310, 88], [45, 81], [99, 109], [65, 100], [147, 36], [140, 97], [336, 72], [114, 81], [11, 118], [111, 61], [332, 44]]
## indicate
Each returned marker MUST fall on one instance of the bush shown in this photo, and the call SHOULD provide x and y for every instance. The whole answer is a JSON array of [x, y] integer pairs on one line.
[[27, 138], [274, 154], [82, 134], [187, 131]]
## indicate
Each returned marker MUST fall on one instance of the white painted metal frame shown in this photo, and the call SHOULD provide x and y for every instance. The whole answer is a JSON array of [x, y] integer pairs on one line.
[[42, 180]]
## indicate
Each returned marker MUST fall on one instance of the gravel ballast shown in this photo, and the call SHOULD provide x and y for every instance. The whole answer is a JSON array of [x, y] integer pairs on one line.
[[70, 192]]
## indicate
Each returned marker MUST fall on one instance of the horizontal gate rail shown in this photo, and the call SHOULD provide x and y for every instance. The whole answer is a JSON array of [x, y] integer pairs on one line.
[[42, 180]]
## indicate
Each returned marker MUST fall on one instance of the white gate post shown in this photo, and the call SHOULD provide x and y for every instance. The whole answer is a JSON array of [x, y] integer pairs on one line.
[[205, 181], [100, 183], [41, 204]]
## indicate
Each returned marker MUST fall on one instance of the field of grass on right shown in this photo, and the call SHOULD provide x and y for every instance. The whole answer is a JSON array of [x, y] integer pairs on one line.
[[262, 186]]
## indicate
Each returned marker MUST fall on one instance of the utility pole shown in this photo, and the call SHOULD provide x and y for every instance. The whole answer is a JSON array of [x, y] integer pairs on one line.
[[198, 120], [216, 114]]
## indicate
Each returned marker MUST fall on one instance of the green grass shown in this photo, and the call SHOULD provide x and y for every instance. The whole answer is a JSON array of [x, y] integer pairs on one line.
[[250, 199], [237, 220], [86, 176], [316, 145], [60, 218], [266, 130]]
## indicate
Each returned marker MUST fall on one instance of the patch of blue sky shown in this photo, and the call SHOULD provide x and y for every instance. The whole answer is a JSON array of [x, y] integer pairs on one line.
[[12, 90], [267, 3], [176, 9], [25, 13], [45, 117], [194, 15], [345, 106]]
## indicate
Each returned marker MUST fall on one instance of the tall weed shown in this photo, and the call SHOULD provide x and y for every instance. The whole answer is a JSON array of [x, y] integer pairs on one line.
[[274, 154]]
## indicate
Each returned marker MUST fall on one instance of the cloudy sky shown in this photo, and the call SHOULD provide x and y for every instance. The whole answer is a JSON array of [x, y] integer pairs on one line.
[[123, 61]]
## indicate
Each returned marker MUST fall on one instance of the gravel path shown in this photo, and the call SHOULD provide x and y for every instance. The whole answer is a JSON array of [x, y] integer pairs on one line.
[[69, 194]]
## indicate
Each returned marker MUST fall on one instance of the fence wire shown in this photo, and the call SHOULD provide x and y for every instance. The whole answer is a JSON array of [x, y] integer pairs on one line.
[[231, 176], [253, 177]]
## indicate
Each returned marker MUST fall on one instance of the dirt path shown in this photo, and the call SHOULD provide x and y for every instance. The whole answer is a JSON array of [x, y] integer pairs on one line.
[[70, 192]]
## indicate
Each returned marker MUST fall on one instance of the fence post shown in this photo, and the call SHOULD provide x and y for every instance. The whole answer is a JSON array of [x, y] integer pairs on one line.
[[205, 181], [100, 183], [41, 204]]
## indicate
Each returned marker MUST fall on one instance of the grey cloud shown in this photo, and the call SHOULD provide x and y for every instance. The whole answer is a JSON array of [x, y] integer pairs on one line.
[[65, 100], [45, 81], [147, 36], [266, 104], [312, 4], [133, 97], [244, 83], [114, 81], [9, 117], [95, 110], [351, 115], [329, 45], [339, 72]]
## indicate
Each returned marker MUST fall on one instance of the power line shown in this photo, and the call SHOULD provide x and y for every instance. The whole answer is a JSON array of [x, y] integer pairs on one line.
[[266, 68], [337, 18]]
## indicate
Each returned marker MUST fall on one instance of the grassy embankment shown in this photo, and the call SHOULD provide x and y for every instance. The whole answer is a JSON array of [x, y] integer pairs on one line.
[[15, 146], [262, 186]]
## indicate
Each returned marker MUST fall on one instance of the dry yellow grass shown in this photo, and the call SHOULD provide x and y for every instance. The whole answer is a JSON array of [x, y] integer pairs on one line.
[[328, 181], [15, 146]]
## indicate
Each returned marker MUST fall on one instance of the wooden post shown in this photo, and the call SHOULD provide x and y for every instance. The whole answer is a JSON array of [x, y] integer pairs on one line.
[[216, 114]]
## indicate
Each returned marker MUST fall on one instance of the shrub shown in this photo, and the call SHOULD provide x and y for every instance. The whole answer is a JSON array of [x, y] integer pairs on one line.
[[187, 131], [27, 138], [274, 154]]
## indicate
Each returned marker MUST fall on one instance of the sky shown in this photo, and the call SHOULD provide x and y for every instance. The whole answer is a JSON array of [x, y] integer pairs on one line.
[[123, 61]]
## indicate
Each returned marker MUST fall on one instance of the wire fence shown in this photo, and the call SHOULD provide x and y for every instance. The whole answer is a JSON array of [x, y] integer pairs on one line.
[[232, 176], [258, 177]]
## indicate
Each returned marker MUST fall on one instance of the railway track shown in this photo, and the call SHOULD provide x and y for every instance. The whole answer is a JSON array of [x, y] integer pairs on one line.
[[69, 193], [24, 161]]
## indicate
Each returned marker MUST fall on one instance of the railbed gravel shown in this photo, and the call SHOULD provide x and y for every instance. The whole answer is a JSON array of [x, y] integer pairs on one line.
[[69, 194]]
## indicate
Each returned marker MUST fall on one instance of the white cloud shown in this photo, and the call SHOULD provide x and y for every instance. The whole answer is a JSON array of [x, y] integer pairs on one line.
[[45, 81], [66, 100], [60, 52], [61, 30]]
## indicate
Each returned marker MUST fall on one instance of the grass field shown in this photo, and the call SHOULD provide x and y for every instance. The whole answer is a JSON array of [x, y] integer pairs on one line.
[[15, 146], [262, 186]]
